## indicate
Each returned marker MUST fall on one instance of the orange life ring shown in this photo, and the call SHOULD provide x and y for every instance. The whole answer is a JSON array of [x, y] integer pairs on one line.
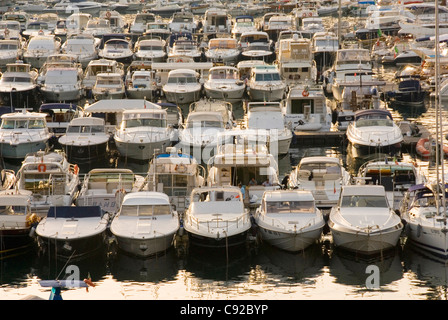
[[305, 93], [42, 167], [304, 15], [310, 14]]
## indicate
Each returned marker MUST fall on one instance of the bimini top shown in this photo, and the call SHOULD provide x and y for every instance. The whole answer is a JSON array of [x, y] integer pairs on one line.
[[75, 212]]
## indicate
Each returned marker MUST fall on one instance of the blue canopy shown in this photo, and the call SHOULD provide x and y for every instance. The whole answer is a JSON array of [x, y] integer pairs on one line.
[[57, 105], [75, 212]]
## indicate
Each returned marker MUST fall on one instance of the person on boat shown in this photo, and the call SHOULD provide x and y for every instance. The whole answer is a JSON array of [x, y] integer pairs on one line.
[[267, 183], [253, 182]]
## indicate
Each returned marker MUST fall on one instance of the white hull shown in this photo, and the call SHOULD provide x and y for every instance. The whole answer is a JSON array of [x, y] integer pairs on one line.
[[100, 95], [146, 247], [226, 93], [19, 151], [267, 93], [431, 239], [140, 151], [289, 240], [55, 95], [363, 242], [182, 96]]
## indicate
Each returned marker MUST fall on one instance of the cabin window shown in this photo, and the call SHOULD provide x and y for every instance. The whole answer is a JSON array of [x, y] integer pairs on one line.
[[298, 105], [290, 207], [13, 210], [145, 210], [173, 185], [371, 201]]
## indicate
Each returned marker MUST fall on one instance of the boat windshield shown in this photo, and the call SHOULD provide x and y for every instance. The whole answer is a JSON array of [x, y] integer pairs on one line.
[[23, 124], [371, 201], [16, 79], [151, 48], [13, 210], [374, 122], [145, 210], [8, 46], [290, 207], [182, 79], [205, 124], [267, 77], [85, 129], [133, 123]]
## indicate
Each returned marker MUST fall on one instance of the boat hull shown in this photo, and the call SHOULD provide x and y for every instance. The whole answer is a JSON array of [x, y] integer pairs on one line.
[[365, 243], [78, 248], [12, 240], [267, 94], [85, 153], [290, 241], [140, 151], [217, 242], [429, 238], [146, 247], [19, 151]]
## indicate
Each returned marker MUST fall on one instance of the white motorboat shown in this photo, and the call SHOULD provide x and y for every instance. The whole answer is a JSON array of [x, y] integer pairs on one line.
[[224, 83], [295, 60], [117, 21], [86, 140], [140, 81], [72, 232], [76, 22], [182, 86], [18, 85], [62, 85], [100, 66], [52, 180], [266, 84], [185, 48], [256, 45], [141, 132], [119, 50], [324, 47], [150, 49], [66, 7], [83, 46], [158, 29], [424, 214], [16, 221], [39, 48], [36, 28], [373, 132], [106, 187], [146, 224], [352, 78], [183, 21], [268, 117], [289, 219], [10, 51], [223, 50], [98, 27], [138, 24], [205, 120], [311, 25], [17, 16], [323, 176], [22, 133], [216, 218], [176, 174], [396, 177], [279, 23], [363, 221], [307, 109], [216, 21], [58, 116], [240, 161], [243, 23], [108, 86], [10, 30]]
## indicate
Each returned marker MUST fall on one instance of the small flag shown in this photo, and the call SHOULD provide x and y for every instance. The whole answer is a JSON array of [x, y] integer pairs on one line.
[[396, 51], [379, 33], [334, 186]]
